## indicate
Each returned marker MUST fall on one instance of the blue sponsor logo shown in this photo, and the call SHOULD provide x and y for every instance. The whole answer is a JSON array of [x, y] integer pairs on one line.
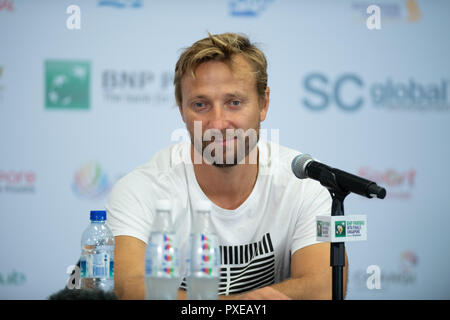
[[247, 8], [319, 85], [411, 94], [347, 92], [121, 4]]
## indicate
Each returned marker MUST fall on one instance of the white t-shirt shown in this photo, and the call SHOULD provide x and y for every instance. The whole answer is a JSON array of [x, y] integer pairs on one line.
[[256, 240]]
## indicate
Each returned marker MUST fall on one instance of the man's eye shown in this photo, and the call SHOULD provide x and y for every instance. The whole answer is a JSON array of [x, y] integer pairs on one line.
[[199, 104], [235, 103]]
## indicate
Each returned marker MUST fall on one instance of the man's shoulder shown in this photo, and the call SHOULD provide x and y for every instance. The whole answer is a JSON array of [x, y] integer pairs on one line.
[[161, 168], [168, 158], [278, 164], [135, 194], [278, 156]]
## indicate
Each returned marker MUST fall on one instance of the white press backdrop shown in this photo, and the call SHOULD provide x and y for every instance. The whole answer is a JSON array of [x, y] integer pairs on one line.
[[79, 108]]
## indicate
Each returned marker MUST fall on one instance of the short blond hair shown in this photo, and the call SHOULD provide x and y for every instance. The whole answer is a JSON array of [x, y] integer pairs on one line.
[[221, 47]]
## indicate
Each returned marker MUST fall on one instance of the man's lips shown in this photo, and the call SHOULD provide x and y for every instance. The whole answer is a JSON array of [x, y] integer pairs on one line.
[[225, 141]]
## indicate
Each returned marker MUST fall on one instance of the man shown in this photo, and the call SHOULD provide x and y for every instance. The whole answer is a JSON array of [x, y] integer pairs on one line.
[[263, 214]]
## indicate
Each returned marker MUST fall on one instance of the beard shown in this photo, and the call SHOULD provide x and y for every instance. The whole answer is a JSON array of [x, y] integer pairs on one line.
[[236, 157], [234, 152]]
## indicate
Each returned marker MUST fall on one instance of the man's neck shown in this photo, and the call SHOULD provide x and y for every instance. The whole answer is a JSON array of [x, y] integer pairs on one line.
[[227, 187]]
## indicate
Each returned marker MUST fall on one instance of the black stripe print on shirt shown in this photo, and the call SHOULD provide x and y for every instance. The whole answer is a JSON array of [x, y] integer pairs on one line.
[[246, 267]]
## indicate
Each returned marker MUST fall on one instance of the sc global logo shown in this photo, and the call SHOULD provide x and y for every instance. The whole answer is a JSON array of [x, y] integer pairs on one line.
[[321, 91]]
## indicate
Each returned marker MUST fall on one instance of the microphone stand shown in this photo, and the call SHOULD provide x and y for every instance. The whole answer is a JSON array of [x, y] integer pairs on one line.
[[337, 250]]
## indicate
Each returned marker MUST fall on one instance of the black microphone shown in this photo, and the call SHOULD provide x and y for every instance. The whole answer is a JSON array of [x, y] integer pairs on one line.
[[304, 166]]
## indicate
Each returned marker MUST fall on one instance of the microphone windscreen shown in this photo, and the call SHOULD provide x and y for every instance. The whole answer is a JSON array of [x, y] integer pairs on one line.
[[82, 294], [299, 165]]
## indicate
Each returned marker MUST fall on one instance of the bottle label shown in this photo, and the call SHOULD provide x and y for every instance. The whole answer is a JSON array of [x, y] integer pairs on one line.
[[101, 265], [205, 255], [111, 269], [162, 259], [83, 267], [97, 265]]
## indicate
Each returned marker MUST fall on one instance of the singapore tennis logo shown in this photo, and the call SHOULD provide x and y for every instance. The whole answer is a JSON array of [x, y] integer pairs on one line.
[[90, 181]]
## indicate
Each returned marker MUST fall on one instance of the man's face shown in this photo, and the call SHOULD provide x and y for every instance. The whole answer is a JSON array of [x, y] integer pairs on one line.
[[223, 100]]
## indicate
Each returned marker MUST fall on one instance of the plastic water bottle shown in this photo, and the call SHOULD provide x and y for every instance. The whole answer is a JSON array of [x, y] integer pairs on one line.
[[97, 254], [204, 271], [162, 261]]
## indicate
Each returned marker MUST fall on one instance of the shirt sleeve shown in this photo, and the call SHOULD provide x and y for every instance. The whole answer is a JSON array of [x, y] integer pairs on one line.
[[127, 214], [316, 201]]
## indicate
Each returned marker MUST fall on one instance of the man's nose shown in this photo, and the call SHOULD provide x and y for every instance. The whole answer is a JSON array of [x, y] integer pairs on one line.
[[218, 118]]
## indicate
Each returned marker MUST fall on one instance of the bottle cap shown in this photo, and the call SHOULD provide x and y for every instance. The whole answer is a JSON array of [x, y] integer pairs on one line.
[[164, 204], [98, 215], [203, 205]]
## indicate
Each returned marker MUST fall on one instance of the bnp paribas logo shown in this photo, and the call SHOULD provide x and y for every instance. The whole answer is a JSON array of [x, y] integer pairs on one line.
[[67, 84], [340, 227]]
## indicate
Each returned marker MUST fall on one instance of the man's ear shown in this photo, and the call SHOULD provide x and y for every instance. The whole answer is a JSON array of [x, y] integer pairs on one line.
[[265, 105]]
